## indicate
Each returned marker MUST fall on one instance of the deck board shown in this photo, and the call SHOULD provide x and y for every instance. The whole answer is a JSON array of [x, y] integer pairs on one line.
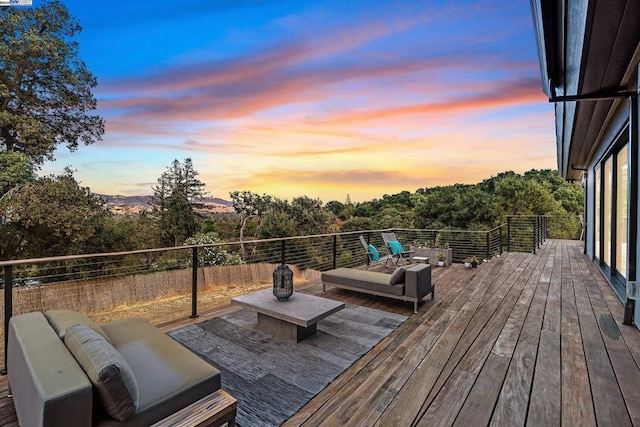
[[577, 407], [525, 339]]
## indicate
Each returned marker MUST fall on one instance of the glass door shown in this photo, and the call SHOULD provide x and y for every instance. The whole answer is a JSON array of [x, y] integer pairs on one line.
[[597, 224], [606, 217], [622, 211]]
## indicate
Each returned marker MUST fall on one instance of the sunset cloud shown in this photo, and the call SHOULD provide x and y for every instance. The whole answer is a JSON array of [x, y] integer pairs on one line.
[[314, 98]]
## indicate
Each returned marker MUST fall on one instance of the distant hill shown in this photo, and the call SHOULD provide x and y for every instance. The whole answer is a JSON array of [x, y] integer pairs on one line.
[[135, 204]]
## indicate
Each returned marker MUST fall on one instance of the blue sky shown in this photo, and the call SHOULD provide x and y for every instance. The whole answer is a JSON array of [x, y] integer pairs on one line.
[[317, 98]]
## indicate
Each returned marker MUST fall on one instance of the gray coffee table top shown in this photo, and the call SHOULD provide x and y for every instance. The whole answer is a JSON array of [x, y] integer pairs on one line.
[[301, 309]]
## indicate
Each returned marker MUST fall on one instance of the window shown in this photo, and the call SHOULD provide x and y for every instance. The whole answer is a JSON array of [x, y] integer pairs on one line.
[[613, 244], [598, 183], [606, 219], [622, 210]]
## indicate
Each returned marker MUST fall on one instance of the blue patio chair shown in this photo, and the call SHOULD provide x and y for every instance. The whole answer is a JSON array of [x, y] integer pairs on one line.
[[374, 255], [396, 250]]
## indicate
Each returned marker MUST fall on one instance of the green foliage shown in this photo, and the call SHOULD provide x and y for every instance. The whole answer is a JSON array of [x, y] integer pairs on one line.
[[15, 169], [277, 224], [212, 255], [487, 204], [55, 216], [357, 223], [179, 179], [51, 216], [392, 217], [132, 232], [179, 220], [174, 199], [457, 206], [309, 216], [334, 207], [45, 89]]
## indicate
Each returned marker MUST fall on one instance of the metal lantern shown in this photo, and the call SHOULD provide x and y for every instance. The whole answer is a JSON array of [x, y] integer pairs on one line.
[[282, 282]]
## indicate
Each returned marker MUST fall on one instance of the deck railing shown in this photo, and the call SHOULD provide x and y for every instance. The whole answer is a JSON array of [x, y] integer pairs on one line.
[[104, 284], [526, 233]]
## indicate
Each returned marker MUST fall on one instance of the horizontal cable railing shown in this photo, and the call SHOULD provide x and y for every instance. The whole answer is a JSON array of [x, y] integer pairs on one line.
[[163, 284]]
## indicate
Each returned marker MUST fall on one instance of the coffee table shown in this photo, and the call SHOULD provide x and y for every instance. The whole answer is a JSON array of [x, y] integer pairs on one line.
[[293, 320]]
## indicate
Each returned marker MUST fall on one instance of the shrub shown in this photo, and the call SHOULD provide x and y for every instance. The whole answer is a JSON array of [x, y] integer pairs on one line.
[[212, 255]]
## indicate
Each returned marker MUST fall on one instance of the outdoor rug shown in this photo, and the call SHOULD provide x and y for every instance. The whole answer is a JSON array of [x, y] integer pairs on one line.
[[272, 378]]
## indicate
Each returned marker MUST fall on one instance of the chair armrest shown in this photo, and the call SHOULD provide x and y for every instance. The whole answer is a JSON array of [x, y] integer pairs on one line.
[[417, 282], [49, 387]]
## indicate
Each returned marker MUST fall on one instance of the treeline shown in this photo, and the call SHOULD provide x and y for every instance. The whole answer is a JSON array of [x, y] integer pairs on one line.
[[55, 215], [480, 206]]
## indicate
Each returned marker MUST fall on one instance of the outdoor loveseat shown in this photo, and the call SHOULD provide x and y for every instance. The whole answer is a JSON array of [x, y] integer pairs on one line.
[[65, 370], [411, 283]]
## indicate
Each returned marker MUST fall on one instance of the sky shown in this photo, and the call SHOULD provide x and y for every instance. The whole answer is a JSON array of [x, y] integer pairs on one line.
[[326, 99]]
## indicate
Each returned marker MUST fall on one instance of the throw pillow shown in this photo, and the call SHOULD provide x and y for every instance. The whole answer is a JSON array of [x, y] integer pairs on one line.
[[107, 370], [396, 247], [60, 320], [375, 256], [397, 277]]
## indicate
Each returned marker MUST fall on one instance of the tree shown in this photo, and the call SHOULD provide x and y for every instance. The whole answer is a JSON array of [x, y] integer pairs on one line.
[[179, 220], [178, 179], [334, 207], [392, 217], [249, 205], [357, 223], [174, 199], [309, 216], [277, 224], [45, 89], [51, 216], [15, 169]]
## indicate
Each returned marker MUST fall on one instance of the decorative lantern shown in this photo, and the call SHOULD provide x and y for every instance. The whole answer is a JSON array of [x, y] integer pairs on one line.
[[282, 282]]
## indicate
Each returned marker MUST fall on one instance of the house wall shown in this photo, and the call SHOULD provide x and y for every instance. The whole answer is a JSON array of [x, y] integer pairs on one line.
[[619, 125], [610, 136]]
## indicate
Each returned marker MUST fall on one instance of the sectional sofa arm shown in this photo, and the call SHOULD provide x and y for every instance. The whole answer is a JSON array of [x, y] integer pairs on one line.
[[49, 387], [417, 282]]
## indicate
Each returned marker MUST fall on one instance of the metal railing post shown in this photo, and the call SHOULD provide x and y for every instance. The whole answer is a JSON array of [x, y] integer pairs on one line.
[[194, 283], [500, 231], [283, 248], [335, 250], [508, 234], [535, 237], [488, 245], [8, 310], [539, 225], [368, 242]]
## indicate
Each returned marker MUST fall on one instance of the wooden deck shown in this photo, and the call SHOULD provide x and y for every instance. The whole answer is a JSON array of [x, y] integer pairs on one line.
[[522, 340]]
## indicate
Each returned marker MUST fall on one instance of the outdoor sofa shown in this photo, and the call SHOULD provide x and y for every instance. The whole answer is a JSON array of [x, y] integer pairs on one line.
[[65, 370], [411, 283]]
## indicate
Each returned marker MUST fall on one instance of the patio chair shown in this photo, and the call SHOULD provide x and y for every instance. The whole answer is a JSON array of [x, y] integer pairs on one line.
[[396, 250], [374, 255]]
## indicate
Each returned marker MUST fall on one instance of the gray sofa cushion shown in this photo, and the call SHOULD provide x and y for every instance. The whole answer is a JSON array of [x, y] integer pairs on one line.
[[169, 376], [107, 370], [369, 280], [397, 277], [60, 320]]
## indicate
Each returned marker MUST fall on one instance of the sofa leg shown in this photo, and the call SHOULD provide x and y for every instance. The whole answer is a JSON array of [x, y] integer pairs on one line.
[[433, 292], [415, 306]]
